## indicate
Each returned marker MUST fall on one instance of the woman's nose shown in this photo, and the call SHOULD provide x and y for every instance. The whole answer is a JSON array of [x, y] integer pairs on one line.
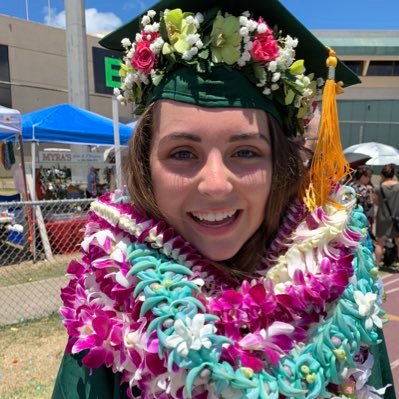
[[215, 177]]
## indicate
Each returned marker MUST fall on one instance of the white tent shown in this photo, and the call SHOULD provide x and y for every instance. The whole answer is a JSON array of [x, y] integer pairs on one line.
[[10, 129], [10, 122]]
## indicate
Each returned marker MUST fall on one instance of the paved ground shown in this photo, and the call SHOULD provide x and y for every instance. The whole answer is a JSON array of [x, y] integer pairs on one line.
[[31, 300], [391, 330]]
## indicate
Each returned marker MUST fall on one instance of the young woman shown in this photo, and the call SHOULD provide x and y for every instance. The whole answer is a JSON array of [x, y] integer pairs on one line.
[[211, 277]]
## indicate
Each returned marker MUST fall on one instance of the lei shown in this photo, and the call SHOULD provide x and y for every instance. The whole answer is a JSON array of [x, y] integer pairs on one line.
[[203, 41], [143, 302]]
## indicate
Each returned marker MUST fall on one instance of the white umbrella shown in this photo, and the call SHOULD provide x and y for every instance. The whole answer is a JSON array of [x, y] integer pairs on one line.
[[373, 150], [353, 157], [383, 160]]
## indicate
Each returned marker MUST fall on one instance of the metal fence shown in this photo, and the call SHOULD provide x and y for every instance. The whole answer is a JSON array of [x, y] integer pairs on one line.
[[37, 241]]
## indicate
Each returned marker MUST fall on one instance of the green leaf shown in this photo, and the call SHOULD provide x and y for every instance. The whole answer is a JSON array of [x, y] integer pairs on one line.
[[289, 98], [260, 73], [297, 67], [230, 54], [216, 55], [204, 54], [167, 49], [157, 78], [302, 112], [174, 17], [231, 25], [181, 45], [162, 28]]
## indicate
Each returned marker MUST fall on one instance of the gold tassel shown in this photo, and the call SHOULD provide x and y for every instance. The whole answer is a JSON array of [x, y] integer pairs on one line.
[[329, 165]]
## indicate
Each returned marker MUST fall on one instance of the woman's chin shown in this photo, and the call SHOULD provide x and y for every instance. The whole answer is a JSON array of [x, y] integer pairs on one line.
[[217, 254]]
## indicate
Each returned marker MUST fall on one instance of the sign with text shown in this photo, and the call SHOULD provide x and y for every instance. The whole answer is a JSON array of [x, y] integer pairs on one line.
[[69, 157], [106, 64]]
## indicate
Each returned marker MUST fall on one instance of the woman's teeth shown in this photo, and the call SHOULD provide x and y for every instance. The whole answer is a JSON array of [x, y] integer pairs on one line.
[[213, 217]]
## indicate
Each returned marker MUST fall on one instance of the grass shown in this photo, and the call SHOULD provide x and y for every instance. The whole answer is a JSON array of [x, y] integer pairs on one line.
[[30, 354], [28, 271]]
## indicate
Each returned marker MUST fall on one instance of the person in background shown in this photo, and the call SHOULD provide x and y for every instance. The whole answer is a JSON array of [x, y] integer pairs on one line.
[[365, 191], [386, 193], [226, 269], [93, 182]]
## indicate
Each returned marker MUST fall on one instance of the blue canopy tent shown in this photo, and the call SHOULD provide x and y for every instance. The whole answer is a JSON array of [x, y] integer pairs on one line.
[[68, 124]]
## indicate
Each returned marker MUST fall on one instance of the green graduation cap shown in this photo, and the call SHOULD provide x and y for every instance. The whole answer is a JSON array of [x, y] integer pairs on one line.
[[223, 53]]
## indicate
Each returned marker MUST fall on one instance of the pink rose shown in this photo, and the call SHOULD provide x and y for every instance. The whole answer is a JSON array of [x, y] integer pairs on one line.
[[265, 47], [143, 59]]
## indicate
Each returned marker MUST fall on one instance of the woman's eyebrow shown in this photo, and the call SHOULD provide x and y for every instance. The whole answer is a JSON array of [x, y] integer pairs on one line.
[[182, 135], [248, 136]]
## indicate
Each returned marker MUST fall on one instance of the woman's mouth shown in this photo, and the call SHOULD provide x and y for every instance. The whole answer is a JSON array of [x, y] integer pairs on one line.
[[215, 219]]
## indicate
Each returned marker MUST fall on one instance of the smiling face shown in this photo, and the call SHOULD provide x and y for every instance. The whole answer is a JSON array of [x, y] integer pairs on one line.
[[211, 171]]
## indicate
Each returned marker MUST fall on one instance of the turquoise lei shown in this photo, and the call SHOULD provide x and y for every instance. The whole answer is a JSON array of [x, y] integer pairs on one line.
[[303, 373]]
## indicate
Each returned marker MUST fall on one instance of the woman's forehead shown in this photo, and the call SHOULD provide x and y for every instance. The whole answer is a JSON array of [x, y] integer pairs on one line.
[[174, 117]]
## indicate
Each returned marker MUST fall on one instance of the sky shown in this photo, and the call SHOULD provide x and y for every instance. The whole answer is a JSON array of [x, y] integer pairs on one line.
[[106, 15]]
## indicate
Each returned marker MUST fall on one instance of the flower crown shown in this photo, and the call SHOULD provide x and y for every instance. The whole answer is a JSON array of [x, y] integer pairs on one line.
[[203, 41]]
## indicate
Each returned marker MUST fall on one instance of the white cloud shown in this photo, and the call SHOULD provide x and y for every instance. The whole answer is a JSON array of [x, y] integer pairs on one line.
[[96, 21]]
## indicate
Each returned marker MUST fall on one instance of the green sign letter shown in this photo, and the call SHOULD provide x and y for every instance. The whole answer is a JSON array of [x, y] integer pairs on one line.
[[112, 78]]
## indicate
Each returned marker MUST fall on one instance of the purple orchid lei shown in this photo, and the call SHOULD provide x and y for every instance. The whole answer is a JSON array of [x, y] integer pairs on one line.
[[143, 302]]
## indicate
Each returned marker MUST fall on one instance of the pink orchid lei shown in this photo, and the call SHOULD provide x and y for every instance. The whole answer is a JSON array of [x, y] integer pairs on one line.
[[143, 302]]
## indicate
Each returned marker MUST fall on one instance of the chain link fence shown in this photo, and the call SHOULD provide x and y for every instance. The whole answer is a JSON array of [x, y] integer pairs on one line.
[[37, 241]]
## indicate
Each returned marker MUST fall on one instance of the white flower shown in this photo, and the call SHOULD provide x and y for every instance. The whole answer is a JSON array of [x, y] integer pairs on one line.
[[306, 81], [290, 42], [199, 44], [244, 31], [199, 17], [151, 13], [248, 45], [190, 19], [139, 37], [368, 308], [246, 14], [252, 25], [272, 66], [126, 42], [243, 20], [145, 20], [190, 334], [276, 77], [117, 92], [192, 38], [267, 91], [262, 28], [274, 86]]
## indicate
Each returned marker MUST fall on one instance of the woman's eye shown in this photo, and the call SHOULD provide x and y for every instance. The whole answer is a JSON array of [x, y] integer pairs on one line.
[[182, 155], [246, 153]]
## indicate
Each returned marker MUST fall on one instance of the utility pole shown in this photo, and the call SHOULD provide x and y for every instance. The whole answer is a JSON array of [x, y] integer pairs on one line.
[[78, 81]]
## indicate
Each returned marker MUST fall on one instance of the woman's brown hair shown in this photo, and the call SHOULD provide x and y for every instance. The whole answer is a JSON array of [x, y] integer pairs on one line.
[[287, 178], [388, 171]]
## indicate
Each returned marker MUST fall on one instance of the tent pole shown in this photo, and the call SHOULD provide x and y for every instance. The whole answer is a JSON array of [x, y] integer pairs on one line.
[[21, 151], [117, 147], [33, 152]]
